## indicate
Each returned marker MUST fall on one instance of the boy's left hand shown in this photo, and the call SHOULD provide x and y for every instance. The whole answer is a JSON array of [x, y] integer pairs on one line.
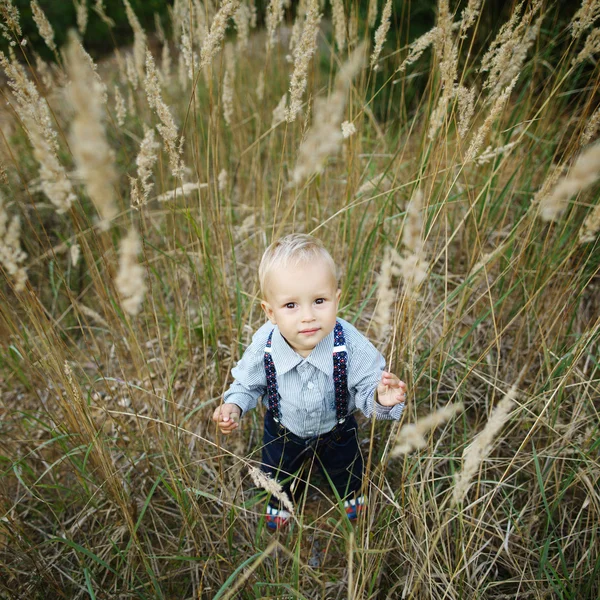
[[391, 390]]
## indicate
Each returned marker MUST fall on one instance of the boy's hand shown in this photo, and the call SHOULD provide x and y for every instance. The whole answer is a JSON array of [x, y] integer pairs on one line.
[[226, 417], [391, 390]]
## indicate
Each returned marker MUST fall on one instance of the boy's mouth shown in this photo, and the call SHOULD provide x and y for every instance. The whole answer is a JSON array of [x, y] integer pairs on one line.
[[310, 331]]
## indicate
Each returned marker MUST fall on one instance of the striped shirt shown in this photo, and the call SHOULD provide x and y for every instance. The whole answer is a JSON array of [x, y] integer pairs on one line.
[[306, 384]]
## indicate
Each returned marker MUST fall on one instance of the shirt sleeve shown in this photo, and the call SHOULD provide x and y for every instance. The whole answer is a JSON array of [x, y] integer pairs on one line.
[[250, 379], [365, 366]]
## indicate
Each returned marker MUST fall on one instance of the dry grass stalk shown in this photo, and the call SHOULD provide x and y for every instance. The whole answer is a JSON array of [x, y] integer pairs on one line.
[[135, 195], [74, 253], [352, 28], [591, 226], [481, 446], [269, 484], [241, 18], [130, 278], [447, 52], [35, 115], [81, 11], [101, 12], [591, 128], [273, 18], [139, 39], [222, 181], [227, 92], [490, 153], [183, 190], [298, 23], [260, 86], [466, 108], [381, 182], [92, 314], [11, 255], [339, 23], [100, 85], [93, 156], [303, 52], [217, 32], [412, 435], [484, 129], [146, 159], [10, 15], [419, 46], [506, 54], [44, 27], [280, 111], [411, 265], [189, 56], [382, 31], [590, 48], [166, 128], [585, 17], [325, 135], [385, 294], [469, 16], [372, 13], [582, 174], [120, 107]]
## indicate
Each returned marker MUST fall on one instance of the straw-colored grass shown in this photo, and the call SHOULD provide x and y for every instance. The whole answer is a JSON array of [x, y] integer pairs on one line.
[[461, 208]]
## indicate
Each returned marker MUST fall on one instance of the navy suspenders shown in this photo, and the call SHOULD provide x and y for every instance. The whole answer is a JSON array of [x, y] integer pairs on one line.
[[340, 376]]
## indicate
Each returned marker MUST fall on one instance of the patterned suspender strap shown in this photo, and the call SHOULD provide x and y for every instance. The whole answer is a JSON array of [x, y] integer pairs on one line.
[[340, 373], [272, 391], [340, 376]]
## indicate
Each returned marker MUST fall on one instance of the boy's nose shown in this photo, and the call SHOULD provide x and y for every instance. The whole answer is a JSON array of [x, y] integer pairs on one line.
[[307, 315]]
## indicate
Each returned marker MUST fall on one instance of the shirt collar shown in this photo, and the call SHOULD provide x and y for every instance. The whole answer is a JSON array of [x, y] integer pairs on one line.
[[285, 358]]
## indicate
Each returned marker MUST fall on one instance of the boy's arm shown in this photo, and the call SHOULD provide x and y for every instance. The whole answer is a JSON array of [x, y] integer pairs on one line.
[[366, 374], [250, 380]]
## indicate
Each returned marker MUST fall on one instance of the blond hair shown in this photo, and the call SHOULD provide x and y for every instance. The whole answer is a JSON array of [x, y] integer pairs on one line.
[[293, 250]]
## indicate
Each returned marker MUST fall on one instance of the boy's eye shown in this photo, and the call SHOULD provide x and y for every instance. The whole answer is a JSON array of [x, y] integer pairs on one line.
[[319, 300], [290, 305]]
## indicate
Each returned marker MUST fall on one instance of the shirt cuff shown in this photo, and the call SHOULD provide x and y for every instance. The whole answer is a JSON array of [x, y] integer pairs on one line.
[[240, 402], [389, 412]]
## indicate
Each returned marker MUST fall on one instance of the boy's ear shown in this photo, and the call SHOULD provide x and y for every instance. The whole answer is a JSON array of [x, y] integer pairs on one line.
[[268, 311], [338, 295]]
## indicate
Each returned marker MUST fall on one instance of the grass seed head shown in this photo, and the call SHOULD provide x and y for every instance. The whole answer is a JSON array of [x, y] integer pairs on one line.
[[412, 436], [303, 53], [130, 278], [481, 446], [44, 27], [93, 156], [339, 23], [269, 484], [382, 31], [584, 173], [585, 17], [325, 135], [11, 255], [213, 40]]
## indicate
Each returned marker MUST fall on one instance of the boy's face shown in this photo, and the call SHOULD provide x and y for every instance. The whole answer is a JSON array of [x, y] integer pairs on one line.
[[302, 301]]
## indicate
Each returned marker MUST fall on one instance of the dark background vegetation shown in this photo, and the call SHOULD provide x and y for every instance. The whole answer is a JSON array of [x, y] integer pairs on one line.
[[99, 39]]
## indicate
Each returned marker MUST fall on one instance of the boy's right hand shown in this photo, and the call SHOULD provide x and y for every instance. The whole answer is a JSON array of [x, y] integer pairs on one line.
[[227, 417]]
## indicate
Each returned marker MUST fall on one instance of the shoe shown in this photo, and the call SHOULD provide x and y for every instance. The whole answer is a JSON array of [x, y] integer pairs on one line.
[[276, 518], [355, 507]]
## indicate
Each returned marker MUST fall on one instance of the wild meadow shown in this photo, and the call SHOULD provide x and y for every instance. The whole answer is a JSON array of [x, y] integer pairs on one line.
[[453, 177]]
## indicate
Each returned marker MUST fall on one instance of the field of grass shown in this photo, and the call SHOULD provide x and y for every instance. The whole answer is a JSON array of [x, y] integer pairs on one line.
[[453, 179]]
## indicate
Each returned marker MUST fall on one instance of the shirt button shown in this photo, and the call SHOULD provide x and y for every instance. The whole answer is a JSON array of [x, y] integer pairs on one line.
[[310, 385]]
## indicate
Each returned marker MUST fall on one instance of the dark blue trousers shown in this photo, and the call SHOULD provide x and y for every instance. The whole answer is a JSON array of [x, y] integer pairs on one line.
[[336, 453]]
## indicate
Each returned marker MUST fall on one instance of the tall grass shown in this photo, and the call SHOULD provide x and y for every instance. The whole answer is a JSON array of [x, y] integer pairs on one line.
[[119, 329]]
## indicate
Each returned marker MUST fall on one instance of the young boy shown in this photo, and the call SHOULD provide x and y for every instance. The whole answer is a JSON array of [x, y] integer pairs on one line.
[[313, 371]]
